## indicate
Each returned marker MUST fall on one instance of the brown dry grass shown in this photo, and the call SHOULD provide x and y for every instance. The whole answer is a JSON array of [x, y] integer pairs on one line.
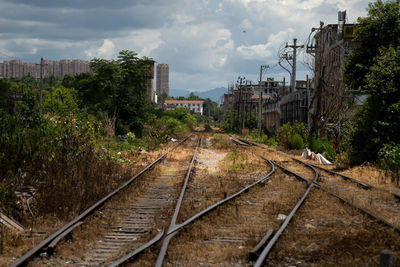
[[86, 236], [18, 243], [325, 232], [376, 201]]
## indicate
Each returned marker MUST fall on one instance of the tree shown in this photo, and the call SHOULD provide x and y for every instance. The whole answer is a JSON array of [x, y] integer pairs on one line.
[[380, 28], [116, 87], [378, 120], [375, 66]]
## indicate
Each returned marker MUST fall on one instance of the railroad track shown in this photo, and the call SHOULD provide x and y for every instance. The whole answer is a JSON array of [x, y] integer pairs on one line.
[[236, 222], [342, 189], [128, 224]]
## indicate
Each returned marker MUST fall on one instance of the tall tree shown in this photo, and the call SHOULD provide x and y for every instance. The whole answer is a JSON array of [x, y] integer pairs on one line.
[[375, 66], [380, 28]]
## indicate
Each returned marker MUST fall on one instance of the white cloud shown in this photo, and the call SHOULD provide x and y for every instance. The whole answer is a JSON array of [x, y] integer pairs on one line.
[[107, 50], [267, 50]]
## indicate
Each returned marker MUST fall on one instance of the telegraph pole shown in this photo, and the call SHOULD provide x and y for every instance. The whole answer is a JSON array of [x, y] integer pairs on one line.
[[293, 78], [240, 80], [41, 81], [259, 123]]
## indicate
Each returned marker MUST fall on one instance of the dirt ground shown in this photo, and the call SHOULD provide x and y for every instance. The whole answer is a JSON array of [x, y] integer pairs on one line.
[[324, 232]]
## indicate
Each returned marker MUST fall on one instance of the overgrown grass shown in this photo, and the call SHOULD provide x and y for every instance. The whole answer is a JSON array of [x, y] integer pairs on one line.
[[238, 162], [220, 141]]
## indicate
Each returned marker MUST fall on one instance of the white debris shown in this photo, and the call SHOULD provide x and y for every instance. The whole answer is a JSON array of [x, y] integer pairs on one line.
[[308, 154], [281, 217], [174, 140]]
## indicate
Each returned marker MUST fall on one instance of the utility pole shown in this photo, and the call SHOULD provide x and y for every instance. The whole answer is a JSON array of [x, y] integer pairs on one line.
[[308, 103], [41, 81], [293, 78], [240, 104], [259, 123], [232, 98]]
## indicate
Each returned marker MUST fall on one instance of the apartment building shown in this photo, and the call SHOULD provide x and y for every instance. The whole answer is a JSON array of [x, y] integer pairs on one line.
[[162, 79], [18, 69], [195, 106]]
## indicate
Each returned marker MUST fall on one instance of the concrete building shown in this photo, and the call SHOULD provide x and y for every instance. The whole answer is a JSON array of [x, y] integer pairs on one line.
[[195, 106], [331, 45], [162, 79], [294, 106], [18, 69]]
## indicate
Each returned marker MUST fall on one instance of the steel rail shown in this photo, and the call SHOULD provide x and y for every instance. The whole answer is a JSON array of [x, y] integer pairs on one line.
[[138, 250], [275, 238], [317, 185], [24, 258], [363, 185], [174, 230], [167, 239], [219, 203]]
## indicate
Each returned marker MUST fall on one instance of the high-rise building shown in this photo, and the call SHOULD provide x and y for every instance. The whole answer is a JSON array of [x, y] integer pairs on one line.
[[162, 82], [18, 69]]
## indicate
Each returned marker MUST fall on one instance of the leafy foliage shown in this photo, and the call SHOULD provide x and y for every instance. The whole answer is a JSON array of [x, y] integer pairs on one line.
[[375, 67], [389, 155], [296, 142], [378, 120], [115, 87], [286, 132], [381, 28]]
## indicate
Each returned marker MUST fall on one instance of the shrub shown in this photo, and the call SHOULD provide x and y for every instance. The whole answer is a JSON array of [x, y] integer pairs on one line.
[[285, 135], [130, 137], [260, 139], [296, 142], [389, 157], [272, 142], [323, 146], [301, 129]]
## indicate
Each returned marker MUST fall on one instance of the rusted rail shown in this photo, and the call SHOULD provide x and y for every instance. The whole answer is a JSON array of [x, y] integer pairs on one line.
[[275, 238], [174, 228], [167, 239], [363, 185], [317, 185], [69, 226]]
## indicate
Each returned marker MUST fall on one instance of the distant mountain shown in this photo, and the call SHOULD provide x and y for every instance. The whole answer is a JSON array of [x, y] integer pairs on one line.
[[213, 94], [178, 92]]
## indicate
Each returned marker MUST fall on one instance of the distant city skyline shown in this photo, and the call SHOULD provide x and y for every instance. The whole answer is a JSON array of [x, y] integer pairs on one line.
[[17, 68], [207, 43]]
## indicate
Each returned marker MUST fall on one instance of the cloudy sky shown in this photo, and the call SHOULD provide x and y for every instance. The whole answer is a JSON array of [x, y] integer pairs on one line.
[[207, 43]]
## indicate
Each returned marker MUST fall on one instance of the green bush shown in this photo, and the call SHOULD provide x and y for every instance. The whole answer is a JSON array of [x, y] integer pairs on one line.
[[296, 142], [389, 157], [285, 135], [272, 142], [321, 146], [130, 137], [263, 139], [301, 129]]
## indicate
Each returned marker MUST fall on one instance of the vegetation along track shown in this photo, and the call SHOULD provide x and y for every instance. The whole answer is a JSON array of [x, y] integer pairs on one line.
[[121, 220], [327, 232]]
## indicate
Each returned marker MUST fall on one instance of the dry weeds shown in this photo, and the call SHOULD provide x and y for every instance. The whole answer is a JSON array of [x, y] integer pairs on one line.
[[18, 243], [325, 232]]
